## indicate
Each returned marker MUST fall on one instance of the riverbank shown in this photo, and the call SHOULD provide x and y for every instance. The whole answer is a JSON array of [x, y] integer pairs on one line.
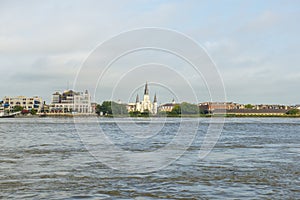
[[55, 115], [162, 116]]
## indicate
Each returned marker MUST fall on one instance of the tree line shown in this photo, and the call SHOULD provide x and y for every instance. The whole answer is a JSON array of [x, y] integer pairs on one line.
[[111, 108]]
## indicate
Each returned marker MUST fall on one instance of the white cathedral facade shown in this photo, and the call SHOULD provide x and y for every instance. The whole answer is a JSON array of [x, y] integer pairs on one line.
[[145, 105]]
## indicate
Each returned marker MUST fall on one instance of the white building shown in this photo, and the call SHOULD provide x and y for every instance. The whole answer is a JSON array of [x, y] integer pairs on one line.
[[27, 103], [71, 102], [145, 105], [168, 107]]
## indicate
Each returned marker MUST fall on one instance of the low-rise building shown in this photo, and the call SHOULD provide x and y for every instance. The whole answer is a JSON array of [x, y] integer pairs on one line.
[[167, 107], [27, 103], [261, 112], [270, 107], [71, 102], [236, 108], [219, 106]]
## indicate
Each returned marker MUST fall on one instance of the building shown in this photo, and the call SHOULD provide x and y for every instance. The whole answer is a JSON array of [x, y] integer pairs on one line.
[[71, 102], [271, 107], [261, 112], [219, 106], [167, 107], [241, 109], [27, 103], [94, 107], [145, 105]]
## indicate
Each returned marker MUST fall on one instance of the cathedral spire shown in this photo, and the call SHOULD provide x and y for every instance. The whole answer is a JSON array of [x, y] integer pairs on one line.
[[155, 99], [146, 89]]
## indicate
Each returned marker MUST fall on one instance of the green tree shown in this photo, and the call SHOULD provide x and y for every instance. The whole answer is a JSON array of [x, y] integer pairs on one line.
[[176, 111], [118, 108], [135, 114], [249, 106], [187, 108], [203, 112], [293, 112], [105, 108], [17, 108], [184, 109], [98, 109], [111, 108], [33, 111], [145, 114]]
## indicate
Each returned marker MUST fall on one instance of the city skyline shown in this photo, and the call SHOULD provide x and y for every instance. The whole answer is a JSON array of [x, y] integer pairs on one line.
[[154, 97], [254, 45]]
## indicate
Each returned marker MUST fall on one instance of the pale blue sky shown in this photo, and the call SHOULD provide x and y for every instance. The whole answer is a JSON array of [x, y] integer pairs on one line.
[[255, 44]]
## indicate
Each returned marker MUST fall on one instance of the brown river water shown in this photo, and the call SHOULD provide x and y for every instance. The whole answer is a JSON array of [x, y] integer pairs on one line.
[[45, 158]]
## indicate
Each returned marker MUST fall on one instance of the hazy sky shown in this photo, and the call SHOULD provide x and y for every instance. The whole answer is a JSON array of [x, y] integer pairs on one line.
[[255, 44]]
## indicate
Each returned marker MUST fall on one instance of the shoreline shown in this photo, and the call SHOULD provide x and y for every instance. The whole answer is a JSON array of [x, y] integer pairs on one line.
[[65, 115]]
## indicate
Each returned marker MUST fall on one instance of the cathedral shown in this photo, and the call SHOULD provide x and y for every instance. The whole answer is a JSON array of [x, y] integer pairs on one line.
[[144, 105]]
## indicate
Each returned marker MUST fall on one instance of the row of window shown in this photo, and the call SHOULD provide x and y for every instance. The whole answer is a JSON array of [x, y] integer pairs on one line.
[[24, 103], [64, 106], [24, 99]]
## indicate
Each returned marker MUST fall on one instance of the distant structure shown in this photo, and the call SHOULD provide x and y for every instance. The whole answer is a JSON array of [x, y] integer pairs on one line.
[[145, 105], [242, 109], [167, 107], [27, 103], [217, 106], [71, 102]]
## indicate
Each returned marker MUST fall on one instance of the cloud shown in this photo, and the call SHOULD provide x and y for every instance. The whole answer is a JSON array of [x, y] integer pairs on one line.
[[263, 22], [255, 44]]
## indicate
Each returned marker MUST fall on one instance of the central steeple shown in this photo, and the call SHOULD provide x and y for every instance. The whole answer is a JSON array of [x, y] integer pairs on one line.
[[145, 105], [146, 92]]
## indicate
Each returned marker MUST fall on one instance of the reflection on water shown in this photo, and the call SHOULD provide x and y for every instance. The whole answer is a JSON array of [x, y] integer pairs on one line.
[[254, 158]]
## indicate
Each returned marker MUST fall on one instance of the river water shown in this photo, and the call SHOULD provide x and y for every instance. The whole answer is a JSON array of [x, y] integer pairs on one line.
[[45, 158]]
